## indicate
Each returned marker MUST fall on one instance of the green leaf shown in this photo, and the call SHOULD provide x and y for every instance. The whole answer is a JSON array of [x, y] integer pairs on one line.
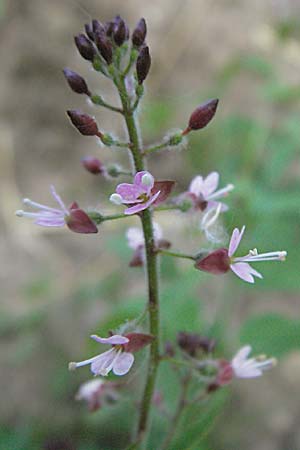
[[271, 334]]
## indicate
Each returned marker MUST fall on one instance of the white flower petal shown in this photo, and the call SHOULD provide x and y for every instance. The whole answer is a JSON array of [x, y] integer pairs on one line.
[[123, 363]]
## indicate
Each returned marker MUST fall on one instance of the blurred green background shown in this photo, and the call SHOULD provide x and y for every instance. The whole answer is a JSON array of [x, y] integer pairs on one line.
[[58, 287]]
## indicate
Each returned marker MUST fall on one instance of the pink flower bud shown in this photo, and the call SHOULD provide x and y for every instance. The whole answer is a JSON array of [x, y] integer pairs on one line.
[[202, 115], [76, 82], [139, 33], [143, 64], [85, 47], [84, 123], [217, 262], [92, 165]]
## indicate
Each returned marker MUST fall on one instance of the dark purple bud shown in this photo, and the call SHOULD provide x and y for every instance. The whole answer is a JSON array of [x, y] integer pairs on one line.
[[139, 33], [85, 47], [217, 262], [79, 222], [76, 82], [202, 115], [165, 187], [109, 28], [192, 343], [93, 165], [97, 27], [89, 30], [104, 46], [137, 341], [169, 349], [120, 32], [84, 123], [143, 64], [163, 244]]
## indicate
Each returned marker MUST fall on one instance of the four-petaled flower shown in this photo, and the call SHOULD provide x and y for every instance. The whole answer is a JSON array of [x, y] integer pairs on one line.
[[142, 193], [75, 218], [136, 241], [203, 192], [243, 367], [223, 259], [119, 358]]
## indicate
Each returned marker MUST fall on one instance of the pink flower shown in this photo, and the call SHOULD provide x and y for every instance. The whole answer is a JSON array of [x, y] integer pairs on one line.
[[142, 193], [204, 193], [243, 367], [119, 358], [96, 393], [75, 218], [222, 259], [135, 239]]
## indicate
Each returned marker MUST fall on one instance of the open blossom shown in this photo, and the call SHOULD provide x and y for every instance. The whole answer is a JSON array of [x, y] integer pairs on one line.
[[204, 194], [142, 193], [243, 367], [96, 393], [136, 241], [75, 218], [119, 358], [223, 259]]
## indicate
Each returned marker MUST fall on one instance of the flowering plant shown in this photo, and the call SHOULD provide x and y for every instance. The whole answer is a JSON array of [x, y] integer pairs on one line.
[[107, 48]]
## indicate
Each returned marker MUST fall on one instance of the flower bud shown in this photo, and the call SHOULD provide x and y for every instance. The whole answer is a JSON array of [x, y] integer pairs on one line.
[[139, 33], [143, 64], [97, 27], [84, 123], [85, 47], [92, 165], [120, 32], [217, 262], [113, 170], [104, 46], [89, 30], [202, 115], [192, 343], [76, 82]]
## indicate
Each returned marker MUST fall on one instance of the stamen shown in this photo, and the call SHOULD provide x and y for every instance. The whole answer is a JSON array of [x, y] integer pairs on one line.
[[221, 192], [29, 202], [208, 222]]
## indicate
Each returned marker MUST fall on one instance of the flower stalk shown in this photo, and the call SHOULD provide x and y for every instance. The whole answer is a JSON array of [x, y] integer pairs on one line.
[[151, 268]]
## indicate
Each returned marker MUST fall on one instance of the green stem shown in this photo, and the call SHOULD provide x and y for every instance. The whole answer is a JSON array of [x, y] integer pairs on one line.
[[176, 254], [155, 148], [114, 217], [151, 267]]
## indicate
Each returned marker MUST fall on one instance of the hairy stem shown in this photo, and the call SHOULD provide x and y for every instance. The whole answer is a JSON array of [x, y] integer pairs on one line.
[[151, 267]]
